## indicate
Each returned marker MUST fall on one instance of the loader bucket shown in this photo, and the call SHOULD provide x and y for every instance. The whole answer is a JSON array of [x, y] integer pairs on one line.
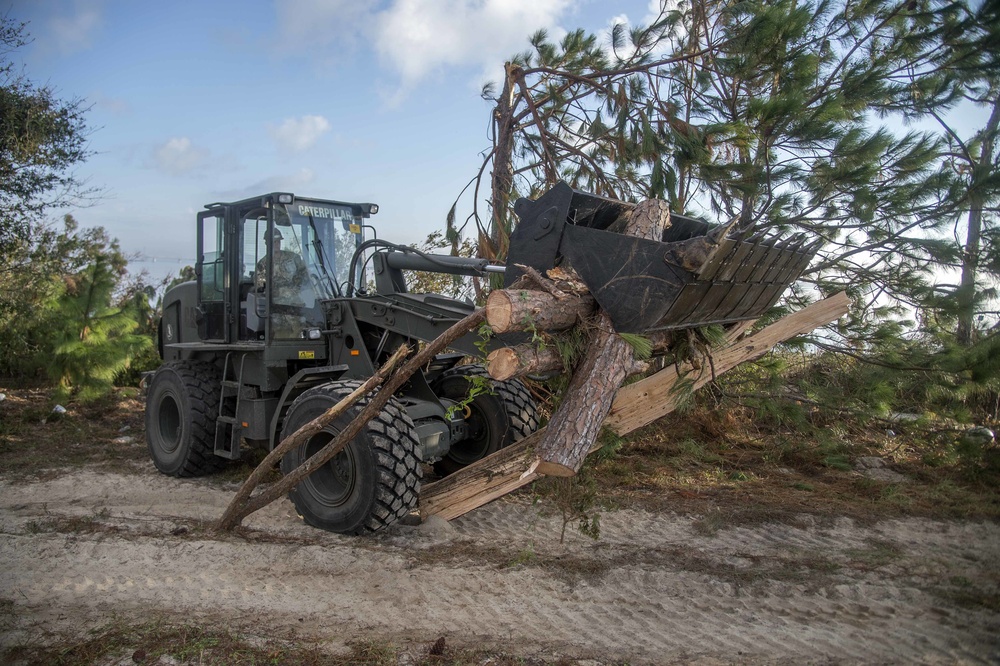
[[647, 285]]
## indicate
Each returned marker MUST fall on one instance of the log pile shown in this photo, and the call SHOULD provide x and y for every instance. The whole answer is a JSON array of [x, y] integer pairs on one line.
[[554, 305], [634, 406], [594, 398]]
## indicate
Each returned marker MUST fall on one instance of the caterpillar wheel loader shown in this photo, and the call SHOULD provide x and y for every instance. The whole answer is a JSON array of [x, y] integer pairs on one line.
[[282, 322]]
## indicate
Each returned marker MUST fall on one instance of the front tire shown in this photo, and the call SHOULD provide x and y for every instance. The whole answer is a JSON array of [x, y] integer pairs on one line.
[[372, 483], [182, 404], [496, 420]]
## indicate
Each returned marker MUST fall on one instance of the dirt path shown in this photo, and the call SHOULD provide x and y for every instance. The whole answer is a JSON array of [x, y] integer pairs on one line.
[[654, 588]]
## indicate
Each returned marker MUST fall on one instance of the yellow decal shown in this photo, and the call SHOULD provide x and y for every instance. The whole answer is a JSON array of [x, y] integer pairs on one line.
[[307, 354], [355, 228]]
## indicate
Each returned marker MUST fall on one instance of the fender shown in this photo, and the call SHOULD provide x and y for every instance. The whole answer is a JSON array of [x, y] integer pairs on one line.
[[299, 383]]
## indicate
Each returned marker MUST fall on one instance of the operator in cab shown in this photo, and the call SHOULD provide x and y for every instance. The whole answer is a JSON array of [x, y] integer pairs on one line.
[[289, 269], [288, 283]]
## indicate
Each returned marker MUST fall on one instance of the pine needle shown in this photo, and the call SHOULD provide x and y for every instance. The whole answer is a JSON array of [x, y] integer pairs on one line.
[[642, 348]]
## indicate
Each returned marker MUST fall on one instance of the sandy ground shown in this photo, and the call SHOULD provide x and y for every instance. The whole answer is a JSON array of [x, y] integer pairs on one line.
[[87, 546]]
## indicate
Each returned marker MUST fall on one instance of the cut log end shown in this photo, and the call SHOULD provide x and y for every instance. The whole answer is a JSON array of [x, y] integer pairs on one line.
[[500, 310], [522, 360]]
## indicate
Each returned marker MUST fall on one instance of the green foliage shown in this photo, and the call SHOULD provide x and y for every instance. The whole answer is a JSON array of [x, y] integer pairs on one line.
[[95, 341], [794, 116], [69, 311], [478, 385], [62, 306], [642, 347], [41, 139]]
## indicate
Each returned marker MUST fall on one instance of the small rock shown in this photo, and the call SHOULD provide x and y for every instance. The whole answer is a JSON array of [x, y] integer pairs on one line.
[[3, 396], [123, 440], [978, 436], [168, 660], [884, 474], [139, 656], [59, 409], [869, 462]]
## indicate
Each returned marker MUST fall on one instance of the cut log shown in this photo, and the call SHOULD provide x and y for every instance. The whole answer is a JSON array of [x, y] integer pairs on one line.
[[635, 406], [510, 310], [525, 360], [522, 360], [577, 422]]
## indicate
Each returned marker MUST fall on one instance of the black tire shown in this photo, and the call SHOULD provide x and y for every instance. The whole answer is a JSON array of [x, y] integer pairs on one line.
[[369, 485], [495, 420], [182, 404]]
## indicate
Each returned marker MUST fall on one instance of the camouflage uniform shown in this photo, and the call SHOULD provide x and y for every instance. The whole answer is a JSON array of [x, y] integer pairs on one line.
[[289, 277]]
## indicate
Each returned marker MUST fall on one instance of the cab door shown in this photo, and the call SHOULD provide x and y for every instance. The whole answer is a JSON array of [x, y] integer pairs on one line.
[[213, 280]]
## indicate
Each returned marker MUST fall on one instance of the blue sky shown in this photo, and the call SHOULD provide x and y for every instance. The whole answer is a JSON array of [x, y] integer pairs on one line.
[[194, 102]]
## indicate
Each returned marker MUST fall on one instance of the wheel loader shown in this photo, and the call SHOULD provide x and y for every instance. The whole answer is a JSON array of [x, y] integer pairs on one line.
[[296, 301]]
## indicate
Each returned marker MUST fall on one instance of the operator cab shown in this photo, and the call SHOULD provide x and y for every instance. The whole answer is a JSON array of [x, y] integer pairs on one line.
[[288, 254]]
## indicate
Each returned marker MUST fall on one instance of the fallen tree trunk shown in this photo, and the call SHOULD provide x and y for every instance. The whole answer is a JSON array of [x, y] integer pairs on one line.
[[577, 422], [635, 406], [374, 406]]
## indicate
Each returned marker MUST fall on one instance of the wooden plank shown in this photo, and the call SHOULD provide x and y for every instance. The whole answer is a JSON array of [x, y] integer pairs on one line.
[[635, 406]]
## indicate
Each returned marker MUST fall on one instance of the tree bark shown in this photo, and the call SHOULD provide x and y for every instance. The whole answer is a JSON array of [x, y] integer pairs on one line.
[[965, 332], [525, 309], [374, 406], [575, 425], [503, 170], [635, 406]]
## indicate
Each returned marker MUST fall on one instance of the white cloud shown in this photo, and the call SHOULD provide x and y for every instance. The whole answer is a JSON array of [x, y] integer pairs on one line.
[[299, 134], [417, 37], [178, 156], [72, 27]]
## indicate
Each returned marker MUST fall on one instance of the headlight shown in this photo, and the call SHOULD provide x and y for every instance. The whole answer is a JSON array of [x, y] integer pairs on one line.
[[285, 198], [314, 334], [372, 209]]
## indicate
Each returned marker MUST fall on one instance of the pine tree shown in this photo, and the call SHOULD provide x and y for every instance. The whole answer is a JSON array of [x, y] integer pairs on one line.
[[763, 112], [794, 116], [33, 278], [96, 340]]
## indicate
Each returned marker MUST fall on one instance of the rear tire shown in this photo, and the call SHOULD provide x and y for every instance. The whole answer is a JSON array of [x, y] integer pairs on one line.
[[372, 483], [496, 420], [182, 404]]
